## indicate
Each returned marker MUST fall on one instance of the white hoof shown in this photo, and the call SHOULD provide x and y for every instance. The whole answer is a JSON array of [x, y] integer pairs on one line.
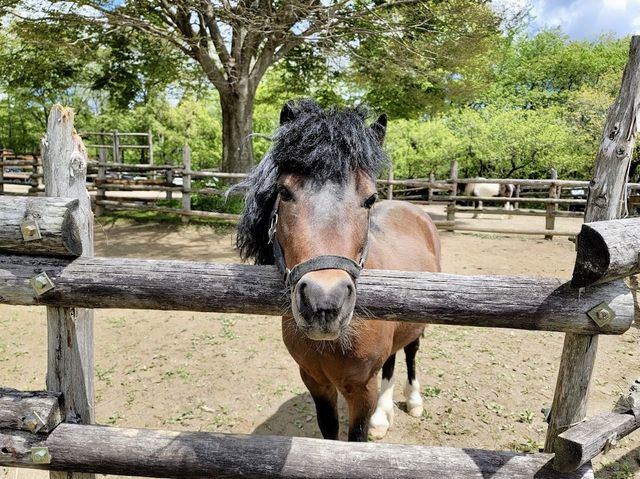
[[413, 398], [379, 424]]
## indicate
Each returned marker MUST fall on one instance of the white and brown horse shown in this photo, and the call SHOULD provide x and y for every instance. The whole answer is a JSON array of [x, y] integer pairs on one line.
[[311, 209], [484, 190]]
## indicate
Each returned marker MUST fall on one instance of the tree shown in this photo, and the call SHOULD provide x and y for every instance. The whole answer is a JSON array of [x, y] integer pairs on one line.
[[236, 41]]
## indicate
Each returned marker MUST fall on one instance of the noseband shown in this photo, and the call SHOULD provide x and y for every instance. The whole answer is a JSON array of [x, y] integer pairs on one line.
[[317, 263]]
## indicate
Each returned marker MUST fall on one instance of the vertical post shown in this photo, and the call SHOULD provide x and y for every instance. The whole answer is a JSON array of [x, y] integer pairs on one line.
[[432, 180], [186, 182], [552, 208], [390, 185], [100, 180], [2, 171], [150, 147], [604, 203], [169, 176], [70, 367], [516, 204], [116, 147], [453, 181]]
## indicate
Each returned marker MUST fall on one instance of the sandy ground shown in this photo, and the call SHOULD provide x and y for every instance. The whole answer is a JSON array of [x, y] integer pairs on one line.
[[230, 373]]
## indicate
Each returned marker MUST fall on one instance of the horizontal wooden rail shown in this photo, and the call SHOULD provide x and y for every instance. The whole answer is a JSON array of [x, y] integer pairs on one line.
[[607, 250], [488, 301], [37, 412], [42, 226], [155, 453], [561, 201], [510, 231], [516, 212]]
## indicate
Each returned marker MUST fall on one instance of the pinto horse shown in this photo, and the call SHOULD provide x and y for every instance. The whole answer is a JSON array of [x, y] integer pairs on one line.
[[311, 209], [503, 190]]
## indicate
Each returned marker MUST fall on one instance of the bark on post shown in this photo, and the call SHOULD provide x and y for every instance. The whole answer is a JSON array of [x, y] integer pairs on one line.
[[453, 179], [237, 126], [552, 208], [604, 203], [70, 330], [186, 182]]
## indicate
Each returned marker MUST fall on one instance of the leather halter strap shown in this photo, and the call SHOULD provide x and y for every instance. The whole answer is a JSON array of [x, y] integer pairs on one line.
[[317, 263]]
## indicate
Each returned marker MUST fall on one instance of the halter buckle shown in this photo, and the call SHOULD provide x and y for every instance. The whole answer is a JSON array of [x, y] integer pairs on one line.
[[272, 227]]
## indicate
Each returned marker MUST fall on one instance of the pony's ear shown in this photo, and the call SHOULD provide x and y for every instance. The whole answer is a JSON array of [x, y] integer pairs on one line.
[[379, 127], [286, 114]]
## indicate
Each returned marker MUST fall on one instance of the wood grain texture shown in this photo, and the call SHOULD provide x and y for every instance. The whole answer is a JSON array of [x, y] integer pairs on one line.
[[30, 411], [490, 301], [603, 203], [607, 250], [152, 453], [56, 222], [70, 367], [583, 442]]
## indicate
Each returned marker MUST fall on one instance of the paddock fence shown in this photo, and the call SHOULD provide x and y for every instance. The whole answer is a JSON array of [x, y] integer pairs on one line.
[[46, 258]]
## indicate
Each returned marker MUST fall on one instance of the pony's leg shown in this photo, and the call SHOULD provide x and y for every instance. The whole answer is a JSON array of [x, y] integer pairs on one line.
[[325, 396], [382, 418], [412, 388], [361, 399]]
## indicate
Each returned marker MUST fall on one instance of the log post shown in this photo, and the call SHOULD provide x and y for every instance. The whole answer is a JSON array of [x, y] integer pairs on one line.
[[432, 180], [116, 147], [516, 194], [390, 185], [186, 182], [70, 330], [552, 208], [100, 180], [604, 203], [33, 177], [150, 136], [169, 181], [2, 173], [453, 180]]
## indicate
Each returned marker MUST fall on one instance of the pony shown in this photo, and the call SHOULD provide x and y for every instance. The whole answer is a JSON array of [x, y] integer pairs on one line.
[[311, 208], [503, 190]]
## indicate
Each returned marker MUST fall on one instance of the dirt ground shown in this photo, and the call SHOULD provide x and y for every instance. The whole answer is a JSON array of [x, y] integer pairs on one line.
[[483, 388]]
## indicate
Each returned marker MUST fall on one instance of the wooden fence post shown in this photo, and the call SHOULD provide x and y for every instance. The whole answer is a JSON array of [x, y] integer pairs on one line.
[[169, 180], [389, 185], [70, 330], [186, 182], [453, 180], [552, 208], [516, 194], [100, 180], [432, 180], [1, 172], [150, 136], [116, 147], [606, 192]]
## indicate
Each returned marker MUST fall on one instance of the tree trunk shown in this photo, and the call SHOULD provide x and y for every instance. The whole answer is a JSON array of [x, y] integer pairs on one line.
[[237, 125]]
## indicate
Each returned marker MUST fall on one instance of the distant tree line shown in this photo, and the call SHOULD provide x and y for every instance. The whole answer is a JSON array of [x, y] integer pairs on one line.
[[459, 79]]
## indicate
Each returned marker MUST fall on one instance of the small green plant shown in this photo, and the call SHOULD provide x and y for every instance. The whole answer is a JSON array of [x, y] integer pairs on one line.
[[227, 331], [530, 445], [432, 391], [526, 416]]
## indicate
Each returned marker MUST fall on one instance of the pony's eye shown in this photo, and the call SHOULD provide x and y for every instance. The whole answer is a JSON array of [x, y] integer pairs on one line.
[[368, 203], [285, 193]]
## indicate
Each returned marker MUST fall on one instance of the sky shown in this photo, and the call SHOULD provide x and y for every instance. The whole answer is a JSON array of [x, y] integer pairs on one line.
[[583, 19]]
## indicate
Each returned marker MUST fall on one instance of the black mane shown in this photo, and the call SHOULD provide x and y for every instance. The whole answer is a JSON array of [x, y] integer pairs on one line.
[[327, 145]]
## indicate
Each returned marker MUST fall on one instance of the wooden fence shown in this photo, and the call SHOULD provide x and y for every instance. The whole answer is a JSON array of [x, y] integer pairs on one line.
[[111, 185], [41, 242]]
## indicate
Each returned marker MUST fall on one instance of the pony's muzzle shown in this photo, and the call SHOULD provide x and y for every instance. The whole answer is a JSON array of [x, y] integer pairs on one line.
[[323, 303]]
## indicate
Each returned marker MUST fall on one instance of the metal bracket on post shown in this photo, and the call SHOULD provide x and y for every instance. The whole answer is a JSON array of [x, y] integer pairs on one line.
[[34, 422], [602, 314], [42, 283], [40, 455], [30, 230]]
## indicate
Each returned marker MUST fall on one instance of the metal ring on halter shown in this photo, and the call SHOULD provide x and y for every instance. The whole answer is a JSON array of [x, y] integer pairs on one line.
[[317, 263]]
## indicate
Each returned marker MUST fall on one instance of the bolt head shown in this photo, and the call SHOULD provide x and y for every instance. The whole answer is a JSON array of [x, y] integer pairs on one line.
[[603, 315]]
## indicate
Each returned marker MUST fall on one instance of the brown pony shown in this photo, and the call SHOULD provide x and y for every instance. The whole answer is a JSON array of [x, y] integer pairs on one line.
[[311, 209]]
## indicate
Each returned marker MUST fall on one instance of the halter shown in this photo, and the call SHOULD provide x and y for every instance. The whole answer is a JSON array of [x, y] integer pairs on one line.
[[317, 263]]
